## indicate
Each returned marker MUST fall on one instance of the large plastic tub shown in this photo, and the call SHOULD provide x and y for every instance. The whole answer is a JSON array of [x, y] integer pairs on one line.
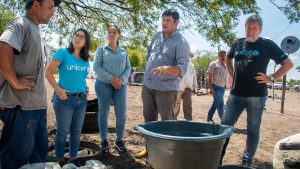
[[184, 144]]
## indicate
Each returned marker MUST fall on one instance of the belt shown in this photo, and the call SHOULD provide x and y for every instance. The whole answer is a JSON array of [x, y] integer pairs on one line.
[[76, 94]]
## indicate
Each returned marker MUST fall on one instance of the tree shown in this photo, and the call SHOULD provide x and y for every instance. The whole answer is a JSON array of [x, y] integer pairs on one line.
[[293, 82], [135, 56], [203, 59], [5, 17], [291, 9], [138, 18], [298, 68], [201, 62], [213, 19]]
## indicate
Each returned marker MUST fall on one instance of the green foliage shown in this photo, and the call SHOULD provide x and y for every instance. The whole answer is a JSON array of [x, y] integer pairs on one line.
[[137, 19], [94, 45], [291, 10], [201, 62], [5, 17], [293, 82], [142, 66], [203, 59], [298, 68], [135, 56]]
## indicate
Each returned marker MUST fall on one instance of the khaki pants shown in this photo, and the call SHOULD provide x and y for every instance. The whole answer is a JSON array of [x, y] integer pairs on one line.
[[186, 97], [158, 102]]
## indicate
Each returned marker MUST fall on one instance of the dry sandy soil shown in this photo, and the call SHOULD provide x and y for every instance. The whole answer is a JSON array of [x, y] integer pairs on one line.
[[275, 126]]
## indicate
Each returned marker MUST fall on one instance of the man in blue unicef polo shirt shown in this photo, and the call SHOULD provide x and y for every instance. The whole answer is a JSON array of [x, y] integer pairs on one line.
[[167, 61]]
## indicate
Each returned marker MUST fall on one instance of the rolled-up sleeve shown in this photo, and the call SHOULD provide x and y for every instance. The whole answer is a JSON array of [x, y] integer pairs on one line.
[[14, 35], [182, 56]]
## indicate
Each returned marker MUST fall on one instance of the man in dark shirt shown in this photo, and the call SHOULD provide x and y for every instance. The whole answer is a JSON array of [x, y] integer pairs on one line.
[[249, 90]]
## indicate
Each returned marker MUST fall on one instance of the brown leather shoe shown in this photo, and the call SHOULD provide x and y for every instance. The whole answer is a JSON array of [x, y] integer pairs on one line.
[[142, 154]]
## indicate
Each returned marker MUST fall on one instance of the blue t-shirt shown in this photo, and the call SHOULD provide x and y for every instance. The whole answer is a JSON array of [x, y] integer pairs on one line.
[[72, 71]]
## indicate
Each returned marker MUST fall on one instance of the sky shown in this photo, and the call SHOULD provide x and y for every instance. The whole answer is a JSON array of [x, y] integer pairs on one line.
[[275, 26]]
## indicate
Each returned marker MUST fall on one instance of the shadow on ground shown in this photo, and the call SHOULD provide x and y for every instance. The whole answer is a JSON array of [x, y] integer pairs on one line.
[[240, 131], [124, 160], [261, 165]]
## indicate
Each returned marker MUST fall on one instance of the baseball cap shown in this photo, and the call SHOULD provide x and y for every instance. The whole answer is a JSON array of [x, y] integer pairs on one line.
[[221, 51], [56, 2]]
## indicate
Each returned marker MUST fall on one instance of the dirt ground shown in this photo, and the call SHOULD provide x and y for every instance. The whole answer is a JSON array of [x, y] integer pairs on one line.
[[275, 126]]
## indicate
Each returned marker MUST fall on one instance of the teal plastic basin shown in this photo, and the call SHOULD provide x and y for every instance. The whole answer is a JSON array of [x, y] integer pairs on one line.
[[176, 144]]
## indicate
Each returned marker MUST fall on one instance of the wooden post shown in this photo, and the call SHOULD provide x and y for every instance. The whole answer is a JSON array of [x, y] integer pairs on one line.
[[273, 82], [283, 94]]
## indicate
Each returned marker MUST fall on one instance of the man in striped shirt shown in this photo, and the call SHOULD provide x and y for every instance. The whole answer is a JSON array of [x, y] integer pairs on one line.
[[217, 75], [167, 61]]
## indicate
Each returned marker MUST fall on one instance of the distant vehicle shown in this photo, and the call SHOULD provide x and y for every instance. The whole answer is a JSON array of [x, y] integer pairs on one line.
[[269, 85], [279, 86], [92, 73], [139, 77], [46, 53], [296, 87]]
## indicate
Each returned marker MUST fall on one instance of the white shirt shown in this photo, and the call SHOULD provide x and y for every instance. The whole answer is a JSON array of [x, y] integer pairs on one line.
[[189, 79]]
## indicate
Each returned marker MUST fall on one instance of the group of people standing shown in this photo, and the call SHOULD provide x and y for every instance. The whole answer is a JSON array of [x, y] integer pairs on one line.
[[112, 68], [251, 56], [23, 99]]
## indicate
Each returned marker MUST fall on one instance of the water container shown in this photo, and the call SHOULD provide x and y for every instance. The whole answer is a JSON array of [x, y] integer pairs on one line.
[[96, 164], [184, 144], [48, 165], [69, 166], [285, 150], [66, 155], [52, 165], [82, 153]]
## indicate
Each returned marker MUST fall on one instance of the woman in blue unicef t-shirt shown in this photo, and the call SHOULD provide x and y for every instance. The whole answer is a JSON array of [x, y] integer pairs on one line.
[[69, 99], [112, 68]]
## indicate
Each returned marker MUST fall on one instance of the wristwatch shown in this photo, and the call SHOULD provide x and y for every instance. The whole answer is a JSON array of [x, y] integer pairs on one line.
[[272, 78]]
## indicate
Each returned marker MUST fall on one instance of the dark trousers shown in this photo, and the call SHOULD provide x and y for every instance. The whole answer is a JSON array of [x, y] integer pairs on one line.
[[24, 137]]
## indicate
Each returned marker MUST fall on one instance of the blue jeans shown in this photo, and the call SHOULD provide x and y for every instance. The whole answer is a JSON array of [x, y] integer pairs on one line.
[[254, 107], [69, 115], [105, 93], [218, 103], [24, 137]]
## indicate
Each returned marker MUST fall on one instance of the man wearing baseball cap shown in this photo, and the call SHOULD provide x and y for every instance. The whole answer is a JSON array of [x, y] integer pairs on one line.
[[217, 79], [23, 99]]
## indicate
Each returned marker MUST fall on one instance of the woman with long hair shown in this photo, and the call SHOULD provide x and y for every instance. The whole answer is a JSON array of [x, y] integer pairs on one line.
[[69, 99], [112, 68]]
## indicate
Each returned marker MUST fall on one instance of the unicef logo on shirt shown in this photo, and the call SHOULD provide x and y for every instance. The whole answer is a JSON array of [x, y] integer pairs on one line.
[[247, 53], [77, 68], [254, 53]]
